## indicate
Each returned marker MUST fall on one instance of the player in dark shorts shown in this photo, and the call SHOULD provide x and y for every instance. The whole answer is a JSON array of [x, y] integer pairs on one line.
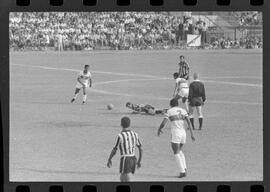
[[183, 68], [127, 141], [147, 109], [196, 98]]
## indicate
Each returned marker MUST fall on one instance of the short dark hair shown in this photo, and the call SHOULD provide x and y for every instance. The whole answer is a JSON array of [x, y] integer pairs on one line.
[[182, 56], [125, 122], [175, 74], [173, 102], [86, 66]]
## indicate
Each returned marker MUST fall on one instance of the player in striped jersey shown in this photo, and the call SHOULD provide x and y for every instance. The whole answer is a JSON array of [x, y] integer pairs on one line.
[[183, 68], [84, 80], [127, 141], [177, 116]]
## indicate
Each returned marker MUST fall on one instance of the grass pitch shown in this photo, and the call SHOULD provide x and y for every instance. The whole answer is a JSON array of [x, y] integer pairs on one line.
[[53, 140]]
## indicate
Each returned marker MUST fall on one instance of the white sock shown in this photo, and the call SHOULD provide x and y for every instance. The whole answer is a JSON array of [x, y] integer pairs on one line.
[[84, 98], [75, 96], [182, 156], [179, 163]]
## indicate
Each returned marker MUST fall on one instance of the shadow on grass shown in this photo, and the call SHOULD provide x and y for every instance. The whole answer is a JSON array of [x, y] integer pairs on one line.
[[93, 173], [78, 124]]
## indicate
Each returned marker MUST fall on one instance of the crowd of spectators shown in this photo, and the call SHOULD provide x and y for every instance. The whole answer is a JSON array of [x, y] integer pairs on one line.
[[189, 26], [97, 30], [248, 18], [227, 43], [87, 31]]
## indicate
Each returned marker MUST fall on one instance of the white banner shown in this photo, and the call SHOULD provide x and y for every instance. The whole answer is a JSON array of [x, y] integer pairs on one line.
[[193, 40]]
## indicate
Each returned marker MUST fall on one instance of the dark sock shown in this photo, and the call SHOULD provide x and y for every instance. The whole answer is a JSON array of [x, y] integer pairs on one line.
[[192, 122], [200, 122]]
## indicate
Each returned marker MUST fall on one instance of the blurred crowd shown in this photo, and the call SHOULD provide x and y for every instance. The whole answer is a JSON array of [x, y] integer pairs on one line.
[[227, 43], [77, 31], [97, 30], [189, 26], [248, 18]]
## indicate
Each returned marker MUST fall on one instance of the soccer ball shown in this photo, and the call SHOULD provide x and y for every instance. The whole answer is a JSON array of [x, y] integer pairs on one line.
[[110, 106]]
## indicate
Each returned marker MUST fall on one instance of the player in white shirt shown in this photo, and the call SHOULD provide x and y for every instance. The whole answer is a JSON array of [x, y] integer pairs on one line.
[[84, 80], [181, 89], [177, 117]]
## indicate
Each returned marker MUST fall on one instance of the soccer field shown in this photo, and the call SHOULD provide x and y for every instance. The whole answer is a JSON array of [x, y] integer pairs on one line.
[[54, 140]]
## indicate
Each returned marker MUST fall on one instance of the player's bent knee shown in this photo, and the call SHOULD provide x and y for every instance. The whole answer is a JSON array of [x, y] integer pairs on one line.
[[175, 147], [77, 90]]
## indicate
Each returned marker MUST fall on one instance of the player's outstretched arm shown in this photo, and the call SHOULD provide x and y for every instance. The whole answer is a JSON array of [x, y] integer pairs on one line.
[[190, 92], [90, 82], [203, 93], [190, 129], [109, 163], [162, 125], [140, 156]]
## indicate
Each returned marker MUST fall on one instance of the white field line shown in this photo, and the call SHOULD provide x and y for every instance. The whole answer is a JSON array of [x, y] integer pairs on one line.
[[155, 78], [77, 70], [139, 75], [126, 80], [167, 98], [234, 83], [208, 81], [234, 77]]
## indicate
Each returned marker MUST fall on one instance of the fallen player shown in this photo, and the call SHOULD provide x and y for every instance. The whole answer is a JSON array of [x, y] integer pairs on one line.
[[147, 109]]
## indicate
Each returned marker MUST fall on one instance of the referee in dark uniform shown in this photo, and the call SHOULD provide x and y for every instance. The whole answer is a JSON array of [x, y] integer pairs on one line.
[[196, 98], [183, 68], [127, 141]]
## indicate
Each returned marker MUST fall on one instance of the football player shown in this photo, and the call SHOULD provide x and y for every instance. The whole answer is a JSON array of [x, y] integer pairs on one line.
[[177, 118], [141, 108], [181, 89], [84, 80]]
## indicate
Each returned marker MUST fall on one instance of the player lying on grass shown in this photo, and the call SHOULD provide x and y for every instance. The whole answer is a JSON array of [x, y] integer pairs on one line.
[[177, 117], [147, 109], [127, 141], [84, 80], [181, 89]]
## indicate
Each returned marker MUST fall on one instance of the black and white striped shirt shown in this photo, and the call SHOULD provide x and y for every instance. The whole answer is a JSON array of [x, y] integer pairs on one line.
[[183, 69], [126, 142]]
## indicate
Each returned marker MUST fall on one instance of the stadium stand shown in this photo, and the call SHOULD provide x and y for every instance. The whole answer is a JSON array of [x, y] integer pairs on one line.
[[121, 31]]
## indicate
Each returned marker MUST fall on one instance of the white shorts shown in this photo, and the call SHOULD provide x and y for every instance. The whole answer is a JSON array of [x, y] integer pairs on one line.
[[178, 136], [79, 86], [183, 92]]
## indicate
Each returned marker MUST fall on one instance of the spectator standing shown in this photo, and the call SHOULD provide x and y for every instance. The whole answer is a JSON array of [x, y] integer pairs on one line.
[[180, 33], [60, 42], [186, 27], [204, 29]]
